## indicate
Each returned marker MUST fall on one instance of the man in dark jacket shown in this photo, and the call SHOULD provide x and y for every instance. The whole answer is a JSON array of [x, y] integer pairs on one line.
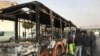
[[92, 44], [78, 43], [85, 43]]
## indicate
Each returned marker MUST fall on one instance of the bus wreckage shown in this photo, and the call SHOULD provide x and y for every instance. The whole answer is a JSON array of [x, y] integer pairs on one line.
[[49, 37]]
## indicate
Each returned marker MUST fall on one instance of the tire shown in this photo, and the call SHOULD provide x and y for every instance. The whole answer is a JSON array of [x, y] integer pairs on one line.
[[58, 51], [44, 52]]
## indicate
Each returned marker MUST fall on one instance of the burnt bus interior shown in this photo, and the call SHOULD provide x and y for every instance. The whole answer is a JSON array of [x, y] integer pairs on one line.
[[37, 13], [46, 24]]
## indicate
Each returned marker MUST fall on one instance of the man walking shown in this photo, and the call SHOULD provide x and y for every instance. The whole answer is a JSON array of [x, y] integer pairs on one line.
[[85, 43], [92, 44], [78, 43]]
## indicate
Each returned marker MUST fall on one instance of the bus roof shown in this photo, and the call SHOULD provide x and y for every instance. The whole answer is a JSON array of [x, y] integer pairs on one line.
[[13, 12]]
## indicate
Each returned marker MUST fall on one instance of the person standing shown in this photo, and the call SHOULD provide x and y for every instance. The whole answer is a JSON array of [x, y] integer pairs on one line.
[[78, 43], [85, 43], [92, 44], [70, 44]]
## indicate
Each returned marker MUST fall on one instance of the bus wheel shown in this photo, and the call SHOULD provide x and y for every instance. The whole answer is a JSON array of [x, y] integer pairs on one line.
[[58, 51], [44, 52]]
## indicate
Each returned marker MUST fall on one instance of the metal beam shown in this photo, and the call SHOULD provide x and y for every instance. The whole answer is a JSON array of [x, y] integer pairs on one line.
[[16, 30], [37, 22]]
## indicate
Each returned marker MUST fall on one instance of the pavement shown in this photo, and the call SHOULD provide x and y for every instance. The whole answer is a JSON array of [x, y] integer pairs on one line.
[[98, 46]]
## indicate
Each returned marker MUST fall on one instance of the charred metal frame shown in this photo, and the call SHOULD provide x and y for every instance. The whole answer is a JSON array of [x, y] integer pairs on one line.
[[37, 22], [39, 9], [16, 30]]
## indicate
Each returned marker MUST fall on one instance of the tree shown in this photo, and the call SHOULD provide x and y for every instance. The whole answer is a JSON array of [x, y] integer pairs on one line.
[[27, 25]]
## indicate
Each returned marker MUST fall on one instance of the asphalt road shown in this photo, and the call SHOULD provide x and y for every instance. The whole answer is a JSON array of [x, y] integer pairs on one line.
[[98, 46]]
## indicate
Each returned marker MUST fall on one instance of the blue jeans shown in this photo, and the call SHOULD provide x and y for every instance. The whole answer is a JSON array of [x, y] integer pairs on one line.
[[78, 48]]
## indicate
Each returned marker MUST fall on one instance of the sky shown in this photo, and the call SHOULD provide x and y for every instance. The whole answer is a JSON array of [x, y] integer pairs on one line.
[[80, 12]]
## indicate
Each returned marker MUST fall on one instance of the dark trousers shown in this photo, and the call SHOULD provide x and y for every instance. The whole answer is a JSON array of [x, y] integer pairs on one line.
[[85, 51], [71, 55], [93, 49]]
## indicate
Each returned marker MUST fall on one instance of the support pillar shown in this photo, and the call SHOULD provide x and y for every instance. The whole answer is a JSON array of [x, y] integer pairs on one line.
[[16, 30]]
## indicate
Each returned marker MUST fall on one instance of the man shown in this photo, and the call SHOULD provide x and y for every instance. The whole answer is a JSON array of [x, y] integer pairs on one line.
[[78, 43], [92, 44], [85, 43], [70, 44]]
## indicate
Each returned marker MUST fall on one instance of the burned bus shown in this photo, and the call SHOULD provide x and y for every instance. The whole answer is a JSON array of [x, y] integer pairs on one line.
[[38, 31]]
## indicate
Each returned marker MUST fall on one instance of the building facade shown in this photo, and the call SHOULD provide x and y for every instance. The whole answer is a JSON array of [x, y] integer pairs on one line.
[[4, 4]]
